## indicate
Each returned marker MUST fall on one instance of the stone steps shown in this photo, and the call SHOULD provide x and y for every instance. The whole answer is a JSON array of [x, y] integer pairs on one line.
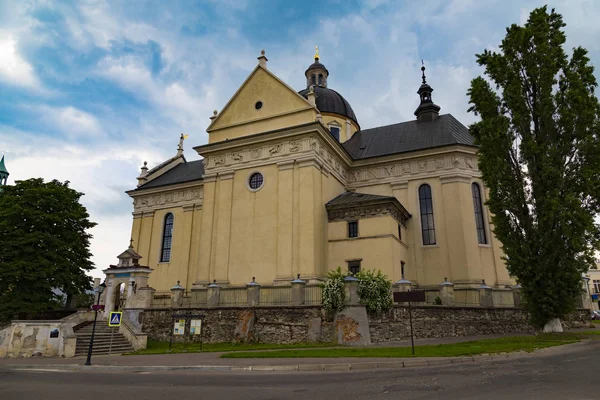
[[102, 339]]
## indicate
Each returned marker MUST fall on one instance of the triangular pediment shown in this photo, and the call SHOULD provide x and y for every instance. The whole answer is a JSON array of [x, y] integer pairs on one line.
[[263, 97]]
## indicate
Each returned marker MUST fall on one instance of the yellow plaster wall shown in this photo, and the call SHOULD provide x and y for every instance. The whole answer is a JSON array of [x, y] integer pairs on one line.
[[328, 118], [456, 254], [147, 232], [377, 245], [281, 108]]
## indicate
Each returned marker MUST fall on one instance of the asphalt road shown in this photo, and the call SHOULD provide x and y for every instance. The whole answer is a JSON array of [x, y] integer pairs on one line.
[[574, 375]]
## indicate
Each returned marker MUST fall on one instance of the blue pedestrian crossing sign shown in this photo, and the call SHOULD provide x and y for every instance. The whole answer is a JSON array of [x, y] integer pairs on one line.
[[115, 318]]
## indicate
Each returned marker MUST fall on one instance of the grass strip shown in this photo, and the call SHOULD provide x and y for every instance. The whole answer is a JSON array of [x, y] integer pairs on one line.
[[488, 346], [157, 347]]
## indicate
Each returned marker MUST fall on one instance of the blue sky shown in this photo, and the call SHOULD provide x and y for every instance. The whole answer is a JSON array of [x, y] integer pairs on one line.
[[91, 89]]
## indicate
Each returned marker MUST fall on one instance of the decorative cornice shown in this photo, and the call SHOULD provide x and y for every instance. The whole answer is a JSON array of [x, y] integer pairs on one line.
[[208, 178], [366, 210], [137, 214], [309, 163], [414, 169], [193, 207], [451, 178], [172, 198], [225, 176], [400, 185], [286, 165], [304, 151]]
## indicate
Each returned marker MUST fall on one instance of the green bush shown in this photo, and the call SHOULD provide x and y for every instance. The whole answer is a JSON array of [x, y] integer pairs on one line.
[[375, 291], [334, 295]]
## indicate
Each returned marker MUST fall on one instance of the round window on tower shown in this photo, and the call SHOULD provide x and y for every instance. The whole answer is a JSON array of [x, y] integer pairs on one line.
[[258, 105], [256, 181]]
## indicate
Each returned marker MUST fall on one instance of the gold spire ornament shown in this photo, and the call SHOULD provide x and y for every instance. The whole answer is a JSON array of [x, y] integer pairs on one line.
[[316, 52]]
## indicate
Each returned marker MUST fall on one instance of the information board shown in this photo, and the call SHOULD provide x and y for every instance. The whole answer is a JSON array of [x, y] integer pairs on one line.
[[195, 326], [179, 327]]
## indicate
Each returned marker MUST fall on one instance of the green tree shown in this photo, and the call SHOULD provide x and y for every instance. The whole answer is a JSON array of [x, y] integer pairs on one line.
[[540, 160], [44, 245]]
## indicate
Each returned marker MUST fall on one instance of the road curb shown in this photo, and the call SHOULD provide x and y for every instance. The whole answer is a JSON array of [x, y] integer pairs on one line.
[[392, 363]]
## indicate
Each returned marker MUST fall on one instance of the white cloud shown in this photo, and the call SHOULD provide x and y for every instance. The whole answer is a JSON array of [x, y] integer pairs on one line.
[[15, 70], [73, 122]]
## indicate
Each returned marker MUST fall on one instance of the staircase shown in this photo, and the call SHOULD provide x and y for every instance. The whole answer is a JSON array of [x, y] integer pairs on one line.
[[102, 339]]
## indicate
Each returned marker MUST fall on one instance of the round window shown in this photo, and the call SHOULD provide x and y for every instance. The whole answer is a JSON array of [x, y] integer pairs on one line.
[[258, 105], [256, 181]]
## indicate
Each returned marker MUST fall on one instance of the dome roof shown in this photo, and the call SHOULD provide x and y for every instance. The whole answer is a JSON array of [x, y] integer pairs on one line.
[[317, 65], [330, 101]]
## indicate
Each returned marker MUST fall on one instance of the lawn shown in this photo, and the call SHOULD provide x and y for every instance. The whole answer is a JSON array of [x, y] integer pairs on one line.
[[156, 347], [502, 345]]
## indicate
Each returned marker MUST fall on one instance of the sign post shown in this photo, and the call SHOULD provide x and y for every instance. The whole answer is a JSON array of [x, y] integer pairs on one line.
[[410, 296], [179, 322], [114, 320]]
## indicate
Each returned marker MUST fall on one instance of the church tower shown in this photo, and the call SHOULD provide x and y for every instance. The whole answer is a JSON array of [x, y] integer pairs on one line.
[[3, 174], [427, 110]]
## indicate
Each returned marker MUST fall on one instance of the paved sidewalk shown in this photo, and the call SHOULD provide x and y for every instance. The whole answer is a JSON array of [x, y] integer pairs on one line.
[[211, 361]]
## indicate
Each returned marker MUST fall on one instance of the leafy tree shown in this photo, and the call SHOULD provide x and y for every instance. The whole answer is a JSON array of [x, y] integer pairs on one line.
[[44, 245], [540, 159]]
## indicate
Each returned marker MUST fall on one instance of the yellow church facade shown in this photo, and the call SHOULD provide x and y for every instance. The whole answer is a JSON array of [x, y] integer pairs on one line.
[[289, 184]]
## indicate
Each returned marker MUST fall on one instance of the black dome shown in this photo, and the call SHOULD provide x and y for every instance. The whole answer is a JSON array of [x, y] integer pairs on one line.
[[317, 65], [330, 101]]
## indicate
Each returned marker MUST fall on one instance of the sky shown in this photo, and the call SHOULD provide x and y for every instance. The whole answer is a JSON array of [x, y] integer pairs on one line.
[[89, 90]]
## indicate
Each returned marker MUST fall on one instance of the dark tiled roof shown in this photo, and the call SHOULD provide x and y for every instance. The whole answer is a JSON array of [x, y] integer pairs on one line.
[[330, 101], [408, 136], [184, 172], [353, 198]]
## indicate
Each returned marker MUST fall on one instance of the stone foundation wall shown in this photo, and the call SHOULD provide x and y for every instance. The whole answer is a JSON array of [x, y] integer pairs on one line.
[[440, 321], [259, 324], [309, 323]]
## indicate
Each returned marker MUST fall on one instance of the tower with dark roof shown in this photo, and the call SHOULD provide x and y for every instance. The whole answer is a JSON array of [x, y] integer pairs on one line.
[[3, 174], [328, 101], [427, 110]]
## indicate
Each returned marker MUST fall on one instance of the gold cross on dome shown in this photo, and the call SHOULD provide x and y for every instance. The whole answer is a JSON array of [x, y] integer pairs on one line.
[[316, 52]]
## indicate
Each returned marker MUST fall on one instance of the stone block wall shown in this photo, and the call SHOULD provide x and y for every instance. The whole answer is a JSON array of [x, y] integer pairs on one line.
[[309, 323], [258, 324], [440, 321]]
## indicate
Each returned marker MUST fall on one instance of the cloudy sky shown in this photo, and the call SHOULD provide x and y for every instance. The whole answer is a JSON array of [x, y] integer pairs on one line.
[[91, 89]]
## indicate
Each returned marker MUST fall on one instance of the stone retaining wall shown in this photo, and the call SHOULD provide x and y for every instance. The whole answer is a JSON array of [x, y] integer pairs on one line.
[[257, 324], [440, 321], [309, 323]]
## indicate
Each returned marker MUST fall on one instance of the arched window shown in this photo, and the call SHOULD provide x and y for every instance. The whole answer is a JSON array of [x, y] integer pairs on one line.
[[314, 79], [427, 224], [165, 254], [320, 79], [478, 207]]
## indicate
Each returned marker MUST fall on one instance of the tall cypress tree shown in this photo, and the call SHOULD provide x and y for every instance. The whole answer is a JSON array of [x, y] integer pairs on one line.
[[44, 245], [540, 160]]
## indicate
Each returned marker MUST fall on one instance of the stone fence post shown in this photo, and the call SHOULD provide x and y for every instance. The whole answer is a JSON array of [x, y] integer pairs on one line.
[[142, 298], [447, 292], [253, 293], [516, 292], [298, 291], [177, 295], [486, 298], [402, 285], [351, 289], [213, 294]]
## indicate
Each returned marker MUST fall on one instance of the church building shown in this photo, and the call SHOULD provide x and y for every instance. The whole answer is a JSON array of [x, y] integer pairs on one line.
[[290, 185]]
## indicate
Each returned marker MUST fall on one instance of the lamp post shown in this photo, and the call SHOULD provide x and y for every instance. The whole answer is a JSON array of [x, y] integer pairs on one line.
[[98, 290]]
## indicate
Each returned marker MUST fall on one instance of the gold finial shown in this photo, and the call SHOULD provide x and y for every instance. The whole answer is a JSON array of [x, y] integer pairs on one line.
[[316, 52]]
